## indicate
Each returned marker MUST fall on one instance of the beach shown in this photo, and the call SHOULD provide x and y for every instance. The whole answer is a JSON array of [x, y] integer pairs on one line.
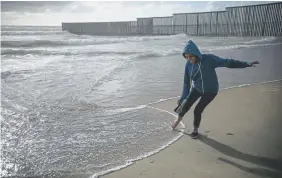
[[82, 105], [240, 137]]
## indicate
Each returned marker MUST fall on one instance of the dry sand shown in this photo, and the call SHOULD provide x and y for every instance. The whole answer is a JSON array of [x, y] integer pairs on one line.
[[241, 136]]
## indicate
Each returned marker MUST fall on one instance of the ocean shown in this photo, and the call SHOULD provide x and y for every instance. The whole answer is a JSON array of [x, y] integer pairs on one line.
[[76, 105]]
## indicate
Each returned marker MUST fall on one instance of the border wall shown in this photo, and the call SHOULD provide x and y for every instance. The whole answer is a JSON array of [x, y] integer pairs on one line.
[[101, 28], [162, 25], [253, 20]]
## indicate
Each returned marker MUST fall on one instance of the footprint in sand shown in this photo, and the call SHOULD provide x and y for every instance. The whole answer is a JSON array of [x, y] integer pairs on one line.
[[229, 134]]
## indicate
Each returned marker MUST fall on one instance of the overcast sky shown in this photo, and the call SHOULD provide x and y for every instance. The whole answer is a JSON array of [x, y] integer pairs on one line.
[[56, 12]]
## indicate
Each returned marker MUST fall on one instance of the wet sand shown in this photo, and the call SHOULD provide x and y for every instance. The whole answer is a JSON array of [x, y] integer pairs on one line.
[[241, 136]]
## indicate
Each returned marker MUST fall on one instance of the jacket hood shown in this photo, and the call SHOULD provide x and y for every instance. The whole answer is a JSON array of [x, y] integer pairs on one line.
[[191, 48]]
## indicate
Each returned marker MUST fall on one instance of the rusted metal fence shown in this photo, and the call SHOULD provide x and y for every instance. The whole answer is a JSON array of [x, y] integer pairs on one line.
[[145, 26], [222, 24], [259, 20], [254, 20], [102, 28], [162, 25]]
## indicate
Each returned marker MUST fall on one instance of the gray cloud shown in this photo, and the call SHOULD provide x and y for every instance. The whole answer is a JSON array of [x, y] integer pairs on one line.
[[56, 12], [32, 6]]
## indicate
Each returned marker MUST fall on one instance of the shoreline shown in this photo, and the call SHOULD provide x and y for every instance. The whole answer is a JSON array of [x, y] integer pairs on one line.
[[148, 156]]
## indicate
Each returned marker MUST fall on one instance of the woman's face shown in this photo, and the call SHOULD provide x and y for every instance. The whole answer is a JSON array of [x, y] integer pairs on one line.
[[191, 58]]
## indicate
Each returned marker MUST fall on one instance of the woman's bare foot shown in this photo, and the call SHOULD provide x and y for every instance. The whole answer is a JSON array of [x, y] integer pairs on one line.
[[175, 123]]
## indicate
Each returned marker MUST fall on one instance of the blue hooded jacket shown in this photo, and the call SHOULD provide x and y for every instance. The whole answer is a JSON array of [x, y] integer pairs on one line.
[[202, 75]]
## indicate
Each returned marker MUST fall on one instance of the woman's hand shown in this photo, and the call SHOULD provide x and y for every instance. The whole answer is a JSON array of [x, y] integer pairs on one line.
[[252, 64]]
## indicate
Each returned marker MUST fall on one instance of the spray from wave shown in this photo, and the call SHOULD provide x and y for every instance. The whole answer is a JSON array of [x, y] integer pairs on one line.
[[80, 40], [146, 53], [30, 33], [20, 52]]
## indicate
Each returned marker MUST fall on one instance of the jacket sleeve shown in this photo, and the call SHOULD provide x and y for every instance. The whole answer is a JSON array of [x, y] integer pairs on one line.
[[186, 84], [229, 63]]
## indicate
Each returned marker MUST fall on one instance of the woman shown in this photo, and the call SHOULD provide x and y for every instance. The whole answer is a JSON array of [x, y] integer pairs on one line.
[[200, 81]]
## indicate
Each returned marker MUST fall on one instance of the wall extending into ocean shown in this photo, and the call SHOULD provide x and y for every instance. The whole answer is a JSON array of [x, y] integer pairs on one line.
[[254, 20]]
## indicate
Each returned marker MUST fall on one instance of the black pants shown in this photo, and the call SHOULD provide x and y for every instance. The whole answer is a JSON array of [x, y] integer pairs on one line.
[[206, 98]]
